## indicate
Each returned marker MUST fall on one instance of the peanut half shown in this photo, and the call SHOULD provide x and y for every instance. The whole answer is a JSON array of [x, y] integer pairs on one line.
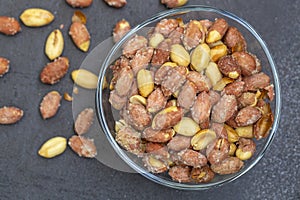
[[9, 25], [53, 147], [54, 44], [85, 78], [36, 17]]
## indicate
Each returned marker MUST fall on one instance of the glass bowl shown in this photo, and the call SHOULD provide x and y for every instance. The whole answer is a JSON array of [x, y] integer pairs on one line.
[[255, 44]]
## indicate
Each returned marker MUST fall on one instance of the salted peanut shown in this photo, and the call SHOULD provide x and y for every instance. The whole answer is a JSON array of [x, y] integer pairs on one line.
[[180, 173], [116, 3], [84, 121], [120, 29], [270, 91], [219, 129], [117, 102], [217, 30], [232, 134], [247, 63], [173, 80], [200, 57], [228, 166], [203, 138], [120, 124], [179, 55], [234, 40], [179, 142], [152, 135], [201, 81], [79, 16], [4, 66], [80, 36], [156, 101], [202, 175], [83, 146], [229, 67], [141, 59], [54, 71], [247, 116], [54, 44], [167, 118], [193, 35], [53, 147], [236, 88], [214, 97], [245, 131], [213, 73], [232, 149], [124, 81], [133, 45], [36, 17], [84, 78], [79, 3], [231, 121], [157, 149], [217, 150], [202, 108], [10, 115], [221, 84], [192, 158], [139, 116], [176, 35], [145, 82], [246, 149], [187, 95], [166, 26], [154, 165], [256, 81], [218, 52], [138, 99], [224, 109], [247, 99], [161, 53], [173, 3], [155, 39], [130, 140], [186, 127], [9, 25], [50, 104], [263, 126]]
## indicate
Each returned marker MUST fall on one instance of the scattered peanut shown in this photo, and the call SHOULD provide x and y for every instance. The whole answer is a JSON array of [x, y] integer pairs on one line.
[[85, 78], [9, 25], [10, 115], [36, 17], [53, 147], [4, 66], [50, 104]]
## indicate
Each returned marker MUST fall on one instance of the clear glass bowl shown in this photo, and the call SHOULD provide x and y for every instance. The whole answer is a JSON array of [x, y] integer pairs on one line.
[[256, 45]]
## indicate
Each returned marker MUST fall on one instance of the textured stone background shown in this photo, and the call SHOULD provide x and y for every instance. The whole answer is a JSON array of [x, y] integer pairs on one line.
[[25, 175]]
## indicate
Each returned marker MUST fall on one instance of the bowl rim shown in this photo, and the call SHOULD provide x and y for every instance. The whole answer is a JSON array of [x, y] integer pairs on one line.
[[122, 153]]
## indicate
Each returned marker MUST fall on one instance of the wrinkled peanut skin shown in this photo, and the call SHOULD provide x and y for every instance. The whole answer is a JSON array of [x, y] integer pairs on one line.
[[247, 63], [220, 25], [180, 173], [227, 64], [176, 35], [256, 81], [133, 45], [214, 97], [217, 151], [187, 95], [236, 88], [246, 99], [50, 104], [130, 140], [247, 116], [10, 115], [160, 74], [201, 108], [156, 101], [228, 166], [79, 33], [192, 35], [9, 25], [117, 102], [166, 26], [152, 135], [234, 40], [197, 174], [124, 81], [167, 120], [54, 71], [192, 158], [224, 109], [79, 3], [4, 66], [158, 150], [161, 53], [201, 82], [84, 121], [121, 28], [83, 146], [219, 130], [139, 115], [141, 59], [179, 142], [173, 80]]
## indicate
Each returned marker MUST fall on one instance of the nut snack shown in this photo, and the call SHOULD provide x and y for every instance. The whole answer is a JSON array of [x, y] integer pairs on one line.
[[192, 100]]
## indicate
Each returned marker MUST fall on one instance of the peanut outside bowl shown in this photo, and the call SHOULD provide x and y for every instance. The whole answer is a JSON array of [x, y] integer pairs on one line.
[[107, 115]]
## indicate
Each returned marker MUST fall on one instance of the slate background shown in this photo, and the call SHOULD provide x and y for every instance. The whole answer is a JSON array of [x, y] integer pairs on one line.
[[25, 175]]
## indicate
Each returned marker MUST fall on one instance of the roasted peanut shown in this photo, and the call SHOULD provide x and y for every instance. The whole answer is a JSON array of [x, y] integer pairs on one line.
[[83, 146], [139, 116], [217, 151], [201, 109], [120, 29], [80, 36], [156, 101], [79, 3], [145, 82], [218, 52], [245, 131], [133, 45], [167, 118], [229, 67], [192, 158], [247, 116], [54, 71], [53, 147], [186, 127], [4, 66], [247, 63], [54, 44], [217, 30], [130, 140], [84, 121], [50, 104], [84, 78], [202, 175], [179, 55], [116, 3], [256, 81], [141, 59], [234, 40], [36, 17], [180, 173], [152, 135], [154, 165], [179, 142], [201, 81], [193, 35], [187, 95], [166, 26], [173, 80], [228, 166], [173, 3], [213, 73], [200, 57], [202, 139], [9, 25], [10, 115], [224, 109]]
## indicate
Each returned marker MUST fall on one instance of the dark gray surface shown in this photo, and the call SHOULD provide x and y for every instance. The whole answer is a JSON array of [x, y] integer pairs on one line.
[[25, 175]]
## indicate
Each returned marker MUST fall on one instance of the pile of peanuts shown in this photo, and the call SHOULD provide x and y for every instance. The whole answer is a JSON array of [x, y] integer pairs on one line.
[[191, 98]]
